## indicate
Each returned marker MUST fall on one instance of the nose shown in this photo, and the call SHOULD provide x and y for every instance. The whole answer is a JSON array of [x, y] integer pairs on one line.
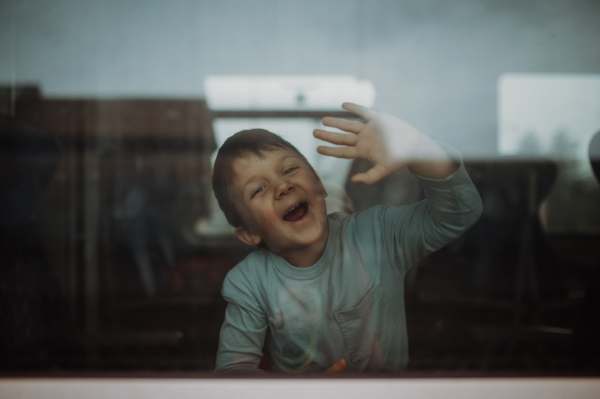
[[284, 187]]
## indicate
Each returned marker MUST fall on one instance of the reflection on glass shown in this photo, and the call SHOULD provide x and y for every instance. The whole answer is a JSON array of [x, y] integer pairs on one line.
[[113, 251], [546, 116]]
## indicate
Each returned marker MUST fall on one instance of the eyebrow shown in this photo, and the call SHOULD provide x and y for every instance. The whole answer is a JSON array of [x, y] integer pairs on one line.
[[254, 177]]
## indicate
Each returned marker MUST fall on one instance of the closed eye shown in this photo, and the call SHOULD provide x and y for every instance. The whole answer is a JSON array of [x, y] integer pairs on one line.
[[258, 190], [290, 170]]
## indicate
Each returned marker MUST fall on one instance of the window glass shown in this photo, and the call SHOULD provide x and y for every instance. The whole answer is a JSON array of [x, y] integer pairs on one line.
[[113, 249]]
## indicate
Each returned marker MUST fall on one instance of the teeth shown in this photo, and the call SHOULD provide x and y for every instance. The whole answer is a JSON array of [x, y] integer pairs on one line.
[[292, 209]]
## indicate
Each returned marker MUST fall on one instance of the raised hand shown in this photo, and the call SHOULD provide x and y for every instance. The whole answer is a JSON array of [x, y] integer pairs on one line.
[[389, 143]]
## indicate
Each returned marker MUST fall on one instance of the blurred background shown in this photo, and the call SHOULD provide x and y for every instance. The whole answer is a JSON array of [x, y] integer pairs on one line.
[[112, 248]]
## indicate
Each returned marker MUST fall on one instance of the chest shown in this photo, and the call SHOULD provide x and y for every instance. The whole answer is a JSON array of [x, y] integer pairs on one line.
[[304, 307]]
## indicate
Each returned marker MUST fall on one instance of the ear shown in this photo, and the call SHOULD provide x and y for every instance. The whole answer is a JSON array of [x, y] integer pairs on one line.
[[246, 236], [322, 186]]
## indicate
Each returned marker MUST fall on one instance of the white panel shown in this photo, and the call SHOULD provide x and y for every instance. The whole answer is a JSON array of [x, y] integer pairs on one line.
[[286, 92], [542, 115], [459, 388]]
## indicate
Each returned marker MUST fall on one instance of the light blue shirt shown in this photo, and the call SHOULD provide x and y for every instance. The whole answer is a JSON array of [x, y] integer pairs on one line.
[[350, 303]]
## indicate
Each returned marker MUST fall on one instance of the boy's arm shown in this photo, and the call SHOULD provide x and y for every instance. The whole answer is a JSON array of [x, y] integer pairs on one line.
[[243, 332], [409, 233], [390, 144]]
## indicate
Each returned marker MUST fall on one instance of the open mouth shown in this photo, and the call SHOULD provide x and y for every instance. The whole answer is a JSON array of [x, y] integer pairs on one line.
[[296, 213]]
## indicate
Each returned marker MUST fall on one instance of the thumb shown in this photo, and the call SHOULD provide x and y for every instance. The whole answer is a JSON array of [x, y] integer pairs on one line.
[[371, 176], [338, 367]]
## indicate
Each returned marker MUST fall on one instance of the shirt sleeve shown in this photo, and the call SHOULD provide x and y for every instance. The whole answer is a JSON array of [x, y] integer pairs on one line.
[[451, 206], [243, 331]]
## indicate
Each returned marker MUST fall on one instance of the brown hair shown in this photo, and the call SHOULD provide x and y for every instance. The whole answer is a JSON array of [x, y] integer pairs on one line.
[[240, 145]]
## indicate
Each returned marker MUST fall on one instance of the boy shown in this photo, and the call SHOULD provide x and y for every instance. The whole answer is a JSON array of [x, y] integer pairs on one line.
[[325, 293]]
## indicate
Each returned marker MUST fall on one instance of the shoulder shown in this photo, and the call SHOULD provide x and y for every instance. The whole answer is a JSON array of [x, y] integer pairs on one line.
[[343, 218], [364, 226], [246, 277], [370, 216]]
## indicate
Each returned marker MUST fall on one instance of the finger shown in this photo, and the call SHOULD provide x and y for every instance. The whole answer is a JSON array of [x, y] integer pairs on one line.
[[335, 138], [338, 152], [352, 127], [338, 367], [359, 110], [371, 176]]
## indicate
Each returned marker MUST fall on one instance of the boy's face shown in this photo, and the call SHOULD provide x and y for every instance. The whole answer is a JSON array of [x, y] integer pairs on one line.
[[280, 201]]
